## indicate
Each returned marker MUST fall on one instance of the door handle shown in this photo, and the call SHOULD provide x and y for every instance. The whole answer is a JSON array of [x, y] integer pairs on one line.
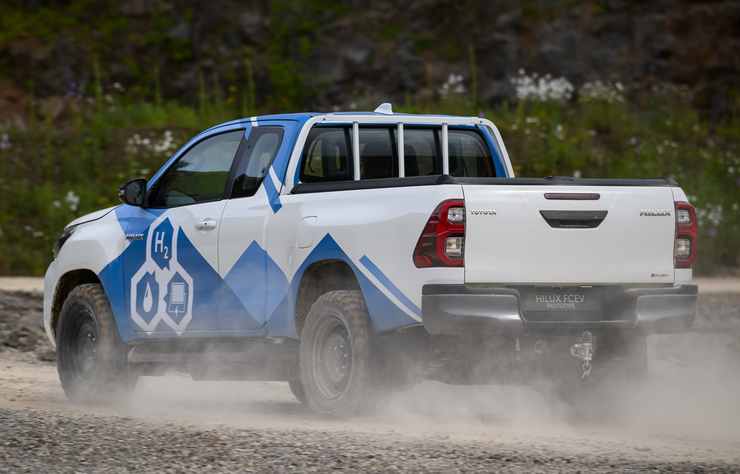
[[206, 224]]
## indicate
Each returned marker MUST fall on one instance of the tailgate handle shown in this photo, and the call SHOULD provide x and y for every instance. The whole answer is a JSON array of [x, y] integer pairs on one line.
[[574, 219], [573, 196]]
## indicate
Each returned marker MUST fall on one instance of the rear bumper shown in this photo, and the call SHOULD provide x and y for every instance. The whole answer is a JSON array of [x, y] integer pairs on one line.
[[470, 309]]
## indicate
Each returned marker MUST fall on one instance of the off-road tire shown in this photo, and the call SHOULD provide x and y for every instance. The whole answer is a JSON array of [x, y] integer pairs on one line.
[[86, 325], [296, 387], [344, 311]]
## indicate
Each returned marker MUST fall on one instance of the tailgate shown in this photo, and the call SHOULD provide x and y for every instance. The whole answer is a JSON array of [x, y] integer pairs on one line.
[[574, 235]]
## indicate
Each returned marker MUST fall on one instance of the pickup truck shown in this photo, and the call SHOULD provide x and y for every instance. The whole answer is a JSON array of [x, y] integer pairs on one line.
[[353, 253]]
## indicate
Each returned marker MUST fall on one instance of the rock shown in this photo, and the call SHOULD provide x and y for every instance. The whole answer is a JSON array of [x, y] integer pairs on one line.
[[252, 24], [20, 322]]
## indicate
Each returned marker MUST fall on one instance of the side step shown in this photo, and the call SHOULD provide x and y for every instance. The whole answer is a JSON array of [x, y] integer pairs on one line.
[[218, 359]]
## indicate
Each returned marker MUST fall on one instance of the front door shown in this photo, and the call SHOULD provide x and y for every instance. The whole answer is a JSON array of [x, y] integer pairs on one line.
[[174, 284]]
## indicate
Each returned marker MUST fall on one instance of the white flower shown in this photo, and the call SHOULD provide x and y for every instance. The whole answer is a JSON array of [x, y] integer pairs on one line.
[[453, 85], [601, 91], [5, 141], [72, 200], [541, 88], [710, 214], [56, 204], [163, 145], [559, 132], [577, 174]]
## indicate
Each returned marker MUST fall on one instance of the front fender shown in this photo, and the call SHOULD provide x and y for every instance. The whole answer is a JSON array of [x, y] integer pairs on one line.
[[95, 247]]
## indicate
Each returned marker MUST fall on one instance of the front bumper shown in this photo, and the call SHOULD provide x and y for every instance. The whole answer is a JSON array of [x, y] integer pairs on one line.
[[470, 309]]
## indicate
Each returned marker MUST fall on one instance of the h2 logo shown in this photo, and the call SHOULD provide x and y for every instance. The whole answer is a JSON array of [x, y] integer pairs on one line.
[[161, 290], [161, 244]]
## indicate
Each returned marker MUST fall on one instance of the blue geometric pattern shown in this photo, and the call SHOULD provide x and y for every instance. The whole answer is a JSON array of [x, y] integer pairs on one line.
[[238, 304]]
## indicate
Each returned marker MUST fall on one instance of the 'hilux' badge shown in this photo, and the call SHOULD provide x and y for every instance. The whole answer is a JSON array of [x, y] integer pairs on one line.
[[655, 213]]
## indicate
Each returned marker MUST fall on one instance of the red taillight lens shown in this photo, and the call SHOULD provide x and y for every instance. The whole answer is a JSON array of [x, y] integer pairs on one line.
[[684, 248], [442, 242]]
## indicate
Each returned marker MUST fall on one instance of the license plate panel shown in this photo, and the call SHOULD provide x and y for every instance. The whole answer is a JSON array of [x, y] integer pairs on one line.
[[563, 299]]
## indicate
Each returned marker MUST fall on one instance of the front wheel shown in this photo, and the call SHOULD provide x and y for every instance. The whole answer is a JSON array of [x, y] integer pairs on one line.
[[335, 354], [91, 359]]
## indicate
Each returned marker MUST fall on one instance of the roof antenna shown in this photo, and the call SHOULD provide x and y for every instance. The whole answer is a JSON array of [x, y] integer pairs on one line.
[[385, 108]]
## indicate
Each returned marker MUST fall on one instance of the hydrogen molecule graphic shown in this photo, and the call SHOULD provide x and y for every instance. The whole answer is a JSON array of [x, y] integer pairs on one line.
[[161, 289]]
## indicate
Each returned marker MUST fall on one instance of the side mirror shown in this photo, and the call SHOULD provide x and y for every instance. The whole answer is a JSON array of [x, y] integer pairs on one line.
[[133, 192]]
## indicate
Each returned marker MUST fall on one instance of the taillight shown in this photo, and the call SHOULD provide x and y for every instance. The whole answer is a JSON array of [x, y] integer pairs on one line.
[[442, 242], [684, 248]]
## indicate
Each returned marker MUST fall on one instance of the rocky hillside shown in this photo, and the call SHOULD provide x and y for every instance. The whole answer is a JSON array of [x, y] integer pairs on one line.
[[93, 93], [321, 54]]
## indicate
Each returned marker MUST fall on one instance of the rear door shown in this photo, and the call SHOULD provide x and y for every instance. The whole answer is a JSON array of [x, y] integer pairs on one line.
[[568, 234], [243, 258]]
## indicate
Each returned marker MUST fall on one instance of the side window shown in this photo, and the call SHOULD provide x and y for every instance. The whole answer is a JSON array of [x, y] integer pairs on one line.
[[254, 158], [421, 149], [199, 175], [469, 155], [377, 154], [327, 155]]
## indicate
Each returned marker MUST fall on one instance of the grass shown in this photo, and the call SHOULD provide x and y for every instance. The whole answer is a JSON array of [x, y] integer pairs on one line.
[[53, 172]]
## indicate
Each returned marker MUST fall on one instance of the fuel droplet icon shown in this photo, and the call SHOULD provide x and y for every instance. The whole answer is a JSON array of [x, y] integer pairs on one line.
[[148, 300], [147, 297]]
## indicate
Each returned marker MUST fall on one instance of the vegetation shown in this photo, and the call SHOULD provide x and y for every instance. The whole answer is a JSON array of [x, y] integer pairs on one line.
[[51, 173]]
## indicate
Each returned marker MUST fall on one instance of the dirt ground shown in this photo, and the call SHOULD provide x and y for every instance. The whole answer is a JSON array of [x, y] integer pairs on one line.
[[685, 417]]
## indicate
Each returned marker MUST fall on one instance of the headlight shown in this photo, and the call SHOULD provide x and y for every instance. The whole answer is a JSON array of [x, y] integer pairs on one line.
[[66, 234]]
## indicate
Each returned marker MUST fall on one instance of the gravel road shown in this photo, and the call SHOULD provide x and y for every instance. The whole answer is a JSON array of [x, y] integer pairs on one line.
[[686, 418]]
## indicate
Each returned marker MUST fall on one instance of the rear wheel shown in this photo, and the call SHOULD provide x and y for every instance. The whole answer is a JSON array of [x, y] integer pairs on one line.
[[91, 359], [335, 354]]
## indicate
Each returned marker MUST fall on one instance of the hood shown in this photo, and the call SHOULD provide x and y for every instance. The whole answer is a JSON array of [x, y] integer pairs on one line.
[[93, 216]]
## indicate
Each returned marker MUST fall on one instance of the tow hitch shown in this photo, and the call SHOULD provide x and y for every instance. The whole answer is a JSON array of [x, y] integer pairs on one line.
[[584, 351]]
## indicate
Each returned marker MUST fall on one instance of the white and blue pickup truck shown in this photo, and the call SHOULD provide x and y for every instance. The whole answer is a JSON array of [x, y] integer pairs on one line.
[[352, 253]]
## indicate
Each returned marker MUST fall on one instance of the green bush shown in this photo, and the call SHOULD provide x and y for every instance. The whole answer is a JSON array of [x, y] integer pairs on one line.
[[51, 173]]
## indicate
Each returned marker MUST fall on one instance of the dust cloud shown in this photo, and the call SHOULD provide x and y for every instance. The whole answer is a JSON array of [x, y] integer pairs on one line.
[[692, 392]]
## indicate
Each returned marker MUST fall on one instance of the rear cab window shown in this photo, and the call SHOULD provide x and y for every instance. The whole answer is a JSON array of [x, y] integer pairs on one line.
[[327, 154]]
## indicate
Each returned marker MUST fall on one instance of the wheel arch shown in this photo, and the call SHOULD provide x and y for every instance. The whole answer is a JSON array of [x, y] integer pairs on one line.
[[68, 282], [321, 277]]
